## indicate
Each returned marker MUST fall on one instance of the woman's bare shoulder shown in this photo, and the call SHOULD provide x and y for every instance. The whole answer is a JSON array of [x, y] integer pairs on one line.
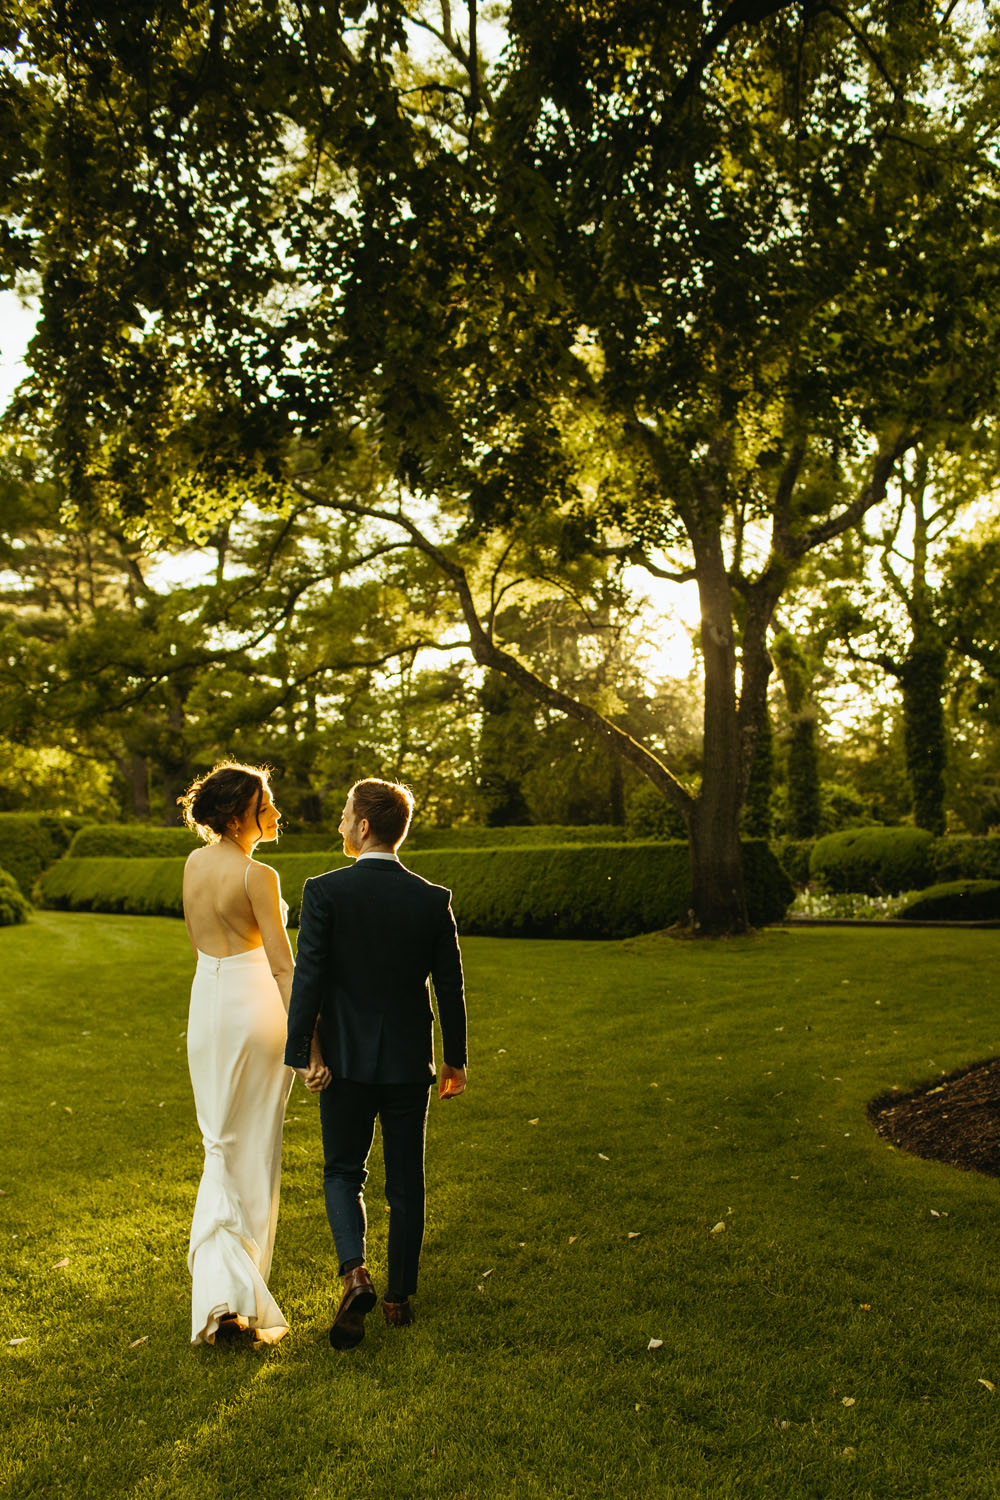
[[197, 856]]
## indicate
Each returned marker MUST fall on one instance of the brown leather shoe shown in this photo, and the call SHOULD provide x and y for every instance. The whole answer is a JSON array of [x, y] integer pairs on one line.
[[397, 1314], [358, 1299]]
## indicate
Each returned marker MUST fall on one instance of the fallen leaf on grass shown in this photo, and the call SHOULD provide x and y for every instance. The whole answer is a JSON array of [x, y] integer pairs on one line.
[[58, 1265], [655, 1344], [13, 1343], [718, 1228], [67, 1109], [484, 1274], [848, 1401], [136, 1342], [987, 1383], [572, 1239], [535, 1120], [634, 1234], [603, 1157]]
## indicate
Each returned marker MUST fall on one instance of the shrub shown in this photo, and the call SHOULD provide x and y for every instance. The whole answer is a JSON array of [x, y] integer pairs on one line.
[[648, 815], [955, 901], [30, 842], [596, 891], [793, 856], [13, 906], [877, 861], [966, 859]]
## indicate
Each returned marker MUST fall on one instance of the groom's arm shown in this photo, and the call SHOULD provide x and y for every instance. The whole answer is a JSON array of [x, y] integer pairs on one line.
[[449, 989], [311, 966]]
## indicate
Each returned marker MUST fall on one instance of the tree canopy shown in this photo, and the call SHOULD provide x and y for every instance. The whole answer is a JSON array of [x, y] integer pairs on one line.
[[670, 285]]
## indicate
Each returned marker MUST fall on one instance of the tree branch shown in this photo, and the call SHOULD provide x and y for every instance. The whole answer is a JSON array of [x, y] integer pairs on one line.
[[862, 39], [487, 654], [640, 559], [740, 12], [871, 495]]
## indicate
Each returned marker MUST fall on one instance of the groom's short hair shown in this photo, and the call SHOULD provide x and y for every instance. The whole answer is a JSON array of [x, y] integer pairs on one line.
[[387, 805]]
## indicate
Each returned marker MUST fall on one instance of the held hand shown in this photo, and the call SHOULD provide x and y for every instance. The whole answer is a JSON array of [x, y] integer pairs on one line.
[[315, 1079], [317, 1075], [451, 1082]]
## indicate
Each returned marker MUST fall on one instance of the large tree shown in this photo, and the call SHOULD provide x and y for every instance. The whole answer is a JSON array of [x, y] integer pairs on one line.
[[670, 285], [878, 607]]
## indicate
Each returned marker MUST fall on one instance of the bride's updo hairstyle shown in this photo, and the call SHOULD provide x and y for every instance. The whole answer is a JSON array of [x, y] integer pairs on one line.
[[212, 802]]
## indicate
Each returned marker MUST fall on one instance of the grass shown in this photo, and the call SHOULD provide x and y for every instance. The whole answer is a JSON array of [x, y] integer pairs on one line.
[[831, 1340]]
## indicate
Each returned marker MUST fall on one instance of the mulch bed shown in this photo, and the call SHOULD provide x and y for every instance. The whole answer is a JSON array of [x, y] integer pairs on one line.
[[955, 1119]]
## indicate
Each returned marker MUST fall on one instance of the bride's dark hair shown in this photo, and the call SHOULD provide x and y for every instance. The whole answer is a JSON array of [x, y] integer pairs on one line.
[[212, 802]]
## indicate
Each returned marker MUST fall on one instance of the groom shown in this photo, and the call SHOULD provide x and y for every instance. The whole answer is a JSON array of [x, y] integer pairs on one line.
[[370, 936]]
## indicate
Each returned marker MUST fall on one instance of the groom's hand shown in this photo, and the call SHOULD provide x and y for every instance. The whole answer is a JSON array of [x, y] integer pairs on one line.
[[315, 1078], [451, 1082], [317, 1075]]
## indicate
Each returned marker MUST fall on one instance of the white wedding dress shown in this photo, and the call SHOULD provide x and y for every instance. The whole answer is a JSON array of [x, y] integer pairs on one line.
[[236, 1043]]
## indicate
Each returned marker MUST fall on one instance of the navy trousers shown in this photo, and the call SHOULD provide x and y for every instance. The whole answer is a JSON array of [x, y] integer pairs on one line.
[[348, 1111]]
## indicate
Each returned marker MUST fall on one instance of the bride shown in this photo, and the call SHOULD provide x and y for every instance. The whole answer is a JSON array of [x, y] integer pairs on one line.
[[236, 1038]]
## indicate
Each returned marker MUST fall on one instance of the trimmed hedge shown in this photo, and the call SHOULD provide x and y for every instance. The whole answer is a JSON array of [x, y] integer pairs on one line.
[[966, 858], [131, 841], [793, 856], [13, 906], [595, 891], [956, 901], [30, 842], [524, 835], [877, 861], [140, 841]]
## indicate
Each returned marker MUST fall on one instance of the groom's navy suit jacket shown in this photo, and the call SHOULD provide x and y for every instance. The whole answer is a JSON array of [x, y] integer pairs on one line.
[[370, 936]]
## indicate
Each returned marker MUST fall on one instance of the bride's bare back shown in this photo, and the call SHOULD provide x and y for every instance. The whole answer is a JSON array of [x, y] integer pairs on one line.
[[232, 904], [218, 909]]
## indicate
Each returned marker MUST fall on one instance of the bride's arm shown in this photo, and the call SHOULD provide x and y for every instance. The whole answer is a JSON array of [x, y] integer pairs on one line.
[[264, 890]]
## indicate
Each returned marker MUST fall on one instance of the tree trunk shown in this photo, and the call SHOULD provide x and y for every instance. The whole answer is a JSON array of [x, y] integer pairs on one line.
[[718, 899], [804, 802], [138, 779], [757, 811], [922, 680]]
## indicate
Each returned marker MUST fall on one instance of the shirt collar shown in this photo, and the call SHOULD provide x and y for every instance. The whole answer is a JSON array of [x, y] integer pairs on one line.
[[377, 854]]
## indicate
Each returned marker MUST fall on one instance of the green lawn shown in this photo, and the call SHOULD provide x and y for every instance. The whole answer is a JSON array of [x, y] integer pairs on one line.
[[624, 1099]]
